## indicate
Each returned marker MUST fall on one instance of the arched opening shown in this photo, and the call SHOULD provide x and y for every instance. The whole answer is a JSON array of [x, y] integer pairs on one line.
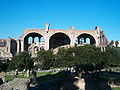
[[42, 39], [85, 39], [36, 39], [58, 39], [31, 40]]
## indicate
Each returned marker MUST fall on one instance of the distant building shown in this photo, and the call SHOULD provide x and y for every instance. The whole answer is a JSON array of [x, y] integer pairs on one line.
[[8, 48]]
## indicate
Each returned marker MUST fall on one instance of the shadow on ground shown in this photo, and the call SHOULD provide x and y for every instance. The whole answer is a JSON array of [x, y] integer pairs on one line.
[[63, 81], [95, 81], [59, 81]]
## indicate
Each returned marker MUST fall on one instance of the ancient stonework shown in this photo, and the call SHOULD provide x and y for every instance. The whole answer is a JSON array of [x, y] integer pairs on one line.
[[16, 84], [33, 40], [8, 47]]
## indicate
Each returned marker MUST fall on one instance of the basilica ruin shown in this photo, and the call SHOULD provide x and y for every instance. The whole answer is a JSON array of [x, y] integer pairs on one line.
[[33, 40]]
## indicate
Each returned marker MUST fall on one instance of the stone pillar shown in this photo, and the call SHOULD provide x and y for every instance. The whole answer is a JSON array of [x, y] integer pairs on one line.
[[16, 72], [84, 40], [39, 39], [100, 39], [33, 39], [104, 49], [33, 50], [72, 36], [72, 40], [78, 41], [22, 45], [27, 74], [46, 42], [39, 43], [101, 49], [8, 44]]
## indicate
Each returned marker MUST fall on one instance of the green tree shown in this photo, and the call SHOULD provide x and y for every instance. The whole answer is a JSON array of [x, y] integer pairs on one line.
[[85, 58], [3, 65], [70, 57], [45, 59], [60, 60], [21, 61], [89, 57], [64, 57], [112, 56]]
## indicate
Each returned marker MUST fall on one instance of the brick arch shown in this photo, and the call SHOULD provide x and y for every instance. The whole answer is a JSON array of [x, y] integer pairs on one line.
[[59, 31], [85, 36], [33, 35], [32, 32], [59, 39]]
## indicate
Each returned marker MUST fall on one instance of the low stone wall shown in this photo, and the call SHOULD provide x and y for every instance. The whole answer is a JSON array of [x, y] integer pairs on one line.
[[16, 84]]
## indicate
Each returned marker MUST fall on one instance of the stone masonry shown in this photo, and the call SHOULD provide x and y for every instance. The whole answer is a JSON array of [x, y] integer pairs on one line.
[[16, 84]]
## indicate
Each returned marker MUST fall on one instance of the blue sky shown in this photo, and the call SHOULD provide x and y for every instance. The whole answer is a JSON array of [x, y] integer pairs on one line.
[[17, 15]]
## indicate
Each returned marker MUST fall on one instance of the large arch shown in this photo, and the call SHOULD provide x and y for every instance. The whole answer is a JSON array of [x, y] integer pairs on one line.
[[58, 39], [85, 39], [31, 38]]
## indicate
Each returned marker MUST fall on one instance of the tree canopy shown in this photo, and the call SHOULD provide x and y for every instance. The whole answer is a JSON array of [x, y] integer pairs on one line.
[[112, 56], [21, 61], [86, 58], [45, 59]]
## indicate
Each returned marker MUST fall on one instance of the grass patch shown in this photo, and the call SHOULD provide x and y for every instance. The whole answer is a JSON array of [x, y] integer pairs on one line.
[[9, 78], [116, 88], [45, 73], [39, 74], [52, 76]]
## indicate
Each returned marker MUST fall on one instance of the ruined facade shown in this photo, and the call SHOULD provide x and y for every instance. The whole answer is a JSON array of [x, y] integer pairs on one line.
[[8, 48], [33, 40], [36, 39]]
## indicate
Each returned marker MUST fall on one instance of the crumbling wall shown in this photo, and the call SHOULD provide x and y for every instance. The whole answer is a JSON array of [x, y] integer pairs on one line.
[[16, 84]]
